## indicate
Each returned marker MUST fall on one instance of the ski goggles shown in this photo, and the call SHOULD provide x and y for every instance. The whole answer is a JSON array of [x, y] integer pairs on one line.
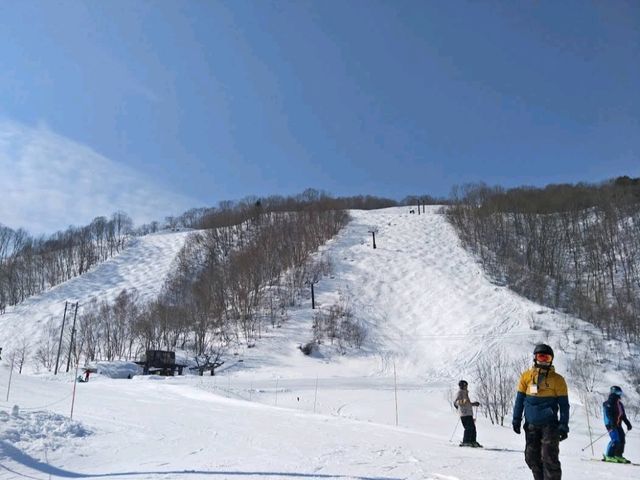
[[543, 357]]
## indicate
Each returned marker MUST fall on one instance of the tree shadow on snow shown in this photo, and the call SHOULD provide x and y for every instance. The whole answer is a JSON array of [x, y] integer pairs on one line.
[[9, 451]]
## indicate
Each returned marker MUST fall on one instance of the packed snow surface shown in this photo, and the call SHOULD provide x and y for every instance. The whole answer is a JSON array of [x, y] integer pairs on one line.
[[272, 412]]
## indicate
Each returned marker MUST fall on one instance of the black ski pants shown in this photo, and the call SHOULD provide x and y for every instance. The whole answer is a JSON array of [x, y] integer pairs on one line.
[[469, 429], [542, 451]]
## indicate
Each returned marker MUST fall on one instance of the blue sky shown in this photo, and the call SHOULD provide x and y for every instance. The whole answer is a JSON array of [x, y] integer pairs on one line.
[[187, 103]]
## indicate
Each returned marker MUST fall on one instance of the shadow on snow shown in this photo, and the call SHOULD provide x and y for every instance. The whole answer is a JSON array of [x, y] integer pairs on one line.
[[9, 451]]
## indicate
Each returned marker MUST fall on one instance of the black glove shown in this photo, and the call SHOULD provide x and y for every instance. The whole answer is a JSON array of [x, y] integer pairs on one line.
[[608, 427], [456, 406], [628, 425], [516, 426], [563, 432], [477, 404]]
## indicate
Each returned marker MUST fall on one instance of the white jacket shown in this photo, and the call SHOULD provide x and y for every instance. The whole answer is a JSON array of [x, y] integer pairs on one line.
[[465, 406]]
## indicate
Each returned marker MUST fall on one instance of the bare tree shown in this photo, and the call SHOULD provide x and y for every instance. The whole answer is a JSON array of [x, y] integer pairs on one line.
[[497, 378], [46, 349], [22, 351]]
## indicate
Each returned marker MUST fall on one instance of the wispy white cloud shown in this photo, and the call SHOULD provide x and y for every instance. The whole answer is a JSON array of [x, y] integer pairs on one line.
[[48, 182]]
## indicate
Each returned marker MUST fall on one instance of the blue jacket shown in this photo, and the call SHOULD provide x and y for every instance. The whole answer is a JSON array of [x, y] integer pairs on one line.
[[613, 413], [541, 394]]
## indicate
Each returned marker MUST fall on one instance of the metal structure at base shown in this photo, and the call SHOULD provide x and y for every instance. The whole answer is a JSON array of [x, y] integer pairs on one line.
[[160, 362]]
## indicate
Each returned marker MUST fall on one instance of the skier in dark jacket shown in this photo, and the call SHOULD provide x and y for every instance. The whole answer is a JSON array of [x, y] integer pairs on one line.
[[542, 393], [465, 408], [614, 415]]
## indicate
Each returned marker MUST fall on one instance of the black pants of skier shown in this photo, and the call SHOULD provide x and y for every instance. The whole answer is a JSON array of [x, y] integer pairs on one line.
[[542, 451], [616, 445], [469, 429]]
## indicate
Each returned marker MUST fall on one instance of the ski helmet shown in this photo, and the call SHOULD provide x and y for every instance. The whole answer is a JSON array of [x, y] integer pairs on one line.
[[543, 348], [616, 390], [462, 384]]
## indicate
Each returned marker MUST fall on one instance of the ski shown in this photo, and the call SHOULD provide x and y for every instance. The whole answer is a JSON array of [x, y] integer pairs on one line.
[[494, 449], [602, 460]]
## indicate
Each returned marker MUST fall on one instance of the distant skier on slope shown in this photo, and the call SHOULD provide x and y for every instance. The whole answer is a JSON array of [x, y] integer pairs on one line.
[[541, 393], [465, 409], [614, 415]]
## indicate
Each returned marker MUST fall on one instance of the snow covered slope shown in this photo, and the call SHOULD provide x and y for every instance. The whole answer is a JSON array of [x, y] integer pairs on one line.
[[279, 414], [143, 266], [428, 302]]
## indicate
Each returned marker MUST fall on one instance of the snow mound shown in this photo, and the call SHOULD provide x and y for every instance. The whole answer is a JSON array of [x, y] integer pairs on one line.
[[39, 430]]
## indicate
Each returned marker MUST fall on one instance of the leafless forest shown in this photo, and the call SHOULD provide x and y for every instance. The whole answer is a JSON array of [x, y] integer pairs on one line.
[[570, 247], [30, 265]]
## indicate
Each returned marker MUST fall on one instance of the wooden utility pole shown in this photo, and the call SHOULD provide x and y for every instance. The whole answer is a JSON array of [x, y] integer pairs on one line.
[[75, 376], [395, 389], [13, 357], [73, 334], [64, 317], [313, 298], [373, 233], [311, 283], [315, 397]]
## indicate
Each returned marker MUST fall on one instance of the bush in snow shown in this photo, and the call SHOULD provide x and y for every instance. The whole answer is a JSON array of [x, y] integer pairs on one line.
[[338, 322], [308, 348]]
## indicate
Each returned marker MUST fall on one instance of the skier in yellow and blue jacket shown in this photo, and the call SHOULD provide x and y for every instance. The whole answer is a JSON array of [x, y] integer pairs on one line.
[[542, 394]]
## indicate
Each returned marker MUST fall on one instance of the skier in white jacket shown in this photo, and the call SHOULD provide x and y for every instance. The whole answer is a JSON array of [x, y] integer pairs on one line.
[[465, 409]]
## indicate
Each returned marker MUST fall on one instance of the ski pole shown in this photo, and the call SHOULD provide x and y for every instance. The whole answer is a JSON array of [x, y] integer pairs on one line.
[[454, 430], [605, 433]]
